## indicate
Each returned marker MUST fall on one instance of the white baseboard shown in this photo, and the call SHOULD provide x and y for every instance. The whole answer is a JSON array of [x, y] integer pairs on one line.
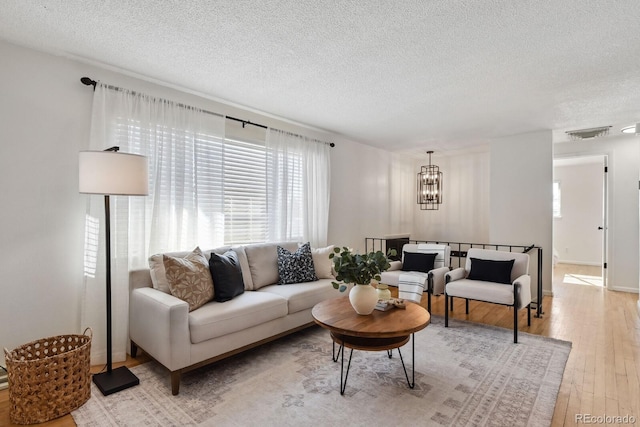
[[568, 261], [547, 293], [623, 289], [100, 357]]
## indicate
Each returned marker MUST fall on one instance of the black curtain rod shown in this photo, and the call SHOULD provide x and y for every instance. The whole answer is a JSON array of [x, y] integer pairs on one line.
[[90, 82], [246, 122]]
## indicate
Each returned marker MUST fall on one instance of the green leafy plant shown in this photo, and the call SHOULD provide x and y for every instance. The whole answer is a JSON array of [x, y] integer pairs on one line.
[[356, 268]]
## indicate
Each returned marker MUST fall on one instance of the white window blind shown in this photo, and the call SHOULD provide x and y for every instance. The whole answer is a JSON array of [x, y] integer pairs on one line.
[[245, 192], [229, 204]]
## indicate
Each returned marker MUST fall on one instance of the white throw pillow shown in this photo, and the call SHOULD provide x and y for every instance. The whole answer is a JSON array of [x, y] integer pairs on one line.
[[158, 274], [321, 262]]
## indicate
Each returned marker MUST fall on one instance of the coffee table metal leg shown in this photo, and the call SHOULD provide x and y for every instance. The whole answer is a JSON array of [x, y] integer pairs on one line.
[[411, 383], [343, 376], [390, 353], [335, 356]]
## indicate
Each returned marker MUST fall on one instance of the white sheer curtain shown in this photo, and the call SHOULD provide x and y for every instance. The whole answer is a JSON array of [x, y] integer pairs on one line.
[[298, 186], [183, 209]]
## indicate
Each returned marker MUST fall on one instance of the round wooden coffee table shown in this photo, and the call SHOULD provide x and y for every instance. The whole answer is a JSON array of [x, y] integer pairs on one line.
[[380, 330]]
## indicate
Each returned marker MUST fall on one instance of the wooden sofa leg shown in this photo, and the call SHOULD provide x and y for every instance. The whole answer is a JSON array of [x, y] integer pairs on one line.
[[515, 325], [466, 305], [529, 314], [175, 382], [134, 349], [515, 314], [446, 310]]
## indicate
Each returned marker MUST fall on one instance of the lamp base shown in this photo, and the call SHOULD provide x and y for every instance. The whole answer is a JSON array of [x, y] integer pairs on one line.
[[116, 380]]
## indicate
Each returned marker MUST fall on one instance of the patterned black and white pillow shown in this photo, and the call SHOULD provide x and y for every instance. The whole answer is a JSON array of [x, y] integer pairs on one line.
[[296, 267]]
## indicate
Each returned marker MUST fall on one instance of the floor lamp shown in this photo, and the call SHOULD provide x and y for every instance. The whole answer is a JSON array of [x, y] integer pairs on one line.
[[111, 173]]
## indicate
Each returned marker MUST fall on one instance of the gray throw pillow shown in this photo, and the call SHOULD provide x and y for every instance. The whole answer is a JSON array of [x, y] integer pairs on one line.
[[296, 267]]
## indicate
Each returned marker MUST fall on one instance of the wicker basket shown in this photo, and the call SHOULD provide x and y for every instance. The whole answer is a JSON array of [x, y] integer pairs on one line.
[[48, 378]]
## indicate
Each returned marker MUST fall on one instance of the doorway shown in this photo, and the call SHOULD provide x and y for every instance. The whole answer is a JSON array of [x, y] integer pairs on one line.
[[580, 220]]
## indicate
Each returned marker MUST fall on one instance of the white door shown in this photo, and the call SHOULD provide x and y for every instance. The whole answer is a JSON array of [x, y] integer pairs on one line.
[[580, 218]]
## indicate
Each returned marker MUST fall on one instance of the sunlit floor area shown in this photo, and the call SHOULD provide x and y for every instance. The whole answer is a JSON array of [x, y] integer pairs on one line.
[[573, 274]]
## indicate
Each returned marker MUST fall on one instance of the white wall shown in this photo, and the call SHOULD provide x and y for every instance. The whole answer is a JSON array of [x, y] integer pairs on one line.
[[575, 234], [521, 196], [464, 213], [44, 122], [623, 248], [359, 194], [43, 119]]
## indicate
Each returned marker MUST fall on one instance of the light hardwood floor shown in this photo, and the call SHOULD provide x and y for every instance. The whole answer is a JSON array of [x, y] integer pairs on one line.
[[602, 376]]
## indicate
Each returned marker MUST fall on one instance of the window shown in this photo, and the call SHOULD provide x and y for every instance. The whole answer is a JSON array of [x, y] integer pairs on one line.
[[229, 204], [244, 192], [557, 212]]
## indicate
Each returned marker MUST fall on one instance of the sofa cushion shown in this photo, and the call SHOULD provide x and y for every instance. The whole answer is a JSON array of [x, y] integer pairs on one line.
[[244, 266], [295, 267], [263, 262], [216, 319], [227, 276], [481, 291], [303, 296], [498, 271], [322, 264], [189, 278], [413, 261]]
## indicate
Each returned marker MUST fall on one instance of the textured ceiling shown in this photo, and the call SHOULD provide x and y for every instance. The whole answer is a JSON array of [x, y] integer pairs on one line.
[[402, 74]]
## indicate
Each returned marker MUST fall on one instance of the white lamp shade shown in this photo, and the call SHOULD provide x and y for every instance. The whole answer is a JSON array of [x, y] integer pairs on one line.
[[113, 173]]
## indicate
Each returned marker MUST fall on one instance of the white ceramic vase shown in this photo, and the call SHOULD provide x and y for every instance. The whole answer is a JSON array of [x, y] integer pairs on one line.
[[363, 298]]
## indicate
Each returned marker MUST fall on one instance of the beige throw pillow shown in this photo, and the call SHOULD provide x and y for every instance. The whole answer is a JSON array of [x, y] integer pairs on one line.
[[321, 262], [189, 278], [156, 270]]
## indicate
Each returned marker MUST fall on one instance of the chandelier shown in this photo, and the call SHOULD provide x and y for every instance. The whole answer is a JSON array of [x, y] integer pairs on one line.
[[429, 186]]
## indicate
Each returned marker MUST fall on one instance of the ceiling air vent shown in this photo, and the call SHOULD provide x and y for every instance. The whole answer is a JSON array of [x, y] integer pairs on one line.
[[588, 133]]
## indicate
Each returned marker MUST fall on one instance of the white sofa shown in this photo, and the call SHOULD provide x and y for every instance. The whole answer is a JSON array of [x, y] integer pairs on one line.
[[162, 326], [435, 281]]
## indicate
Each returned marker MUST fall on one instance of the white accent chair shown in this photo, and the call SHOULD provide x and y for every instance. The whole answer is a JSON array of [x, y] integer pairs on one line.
[[516, 293], [432, 281]]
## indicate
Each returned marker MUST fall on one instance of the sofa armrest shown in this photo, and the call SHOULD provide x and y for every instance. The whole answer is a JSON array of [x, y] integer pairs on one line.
[[524, 290], [456, 274], [159, 323], [395, 265], [140, 278], [438, 280]]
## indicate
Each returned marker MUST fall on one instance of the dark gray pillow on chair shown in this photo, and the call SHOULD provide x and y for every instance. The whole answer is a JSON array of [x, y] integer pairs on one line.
[[226, 275], [490, 270], [413, 261]]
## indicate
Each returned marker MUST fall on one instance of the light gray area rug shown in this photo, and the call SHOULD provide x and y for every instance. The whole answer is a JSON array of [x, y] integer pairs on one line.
[[466, 375]]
